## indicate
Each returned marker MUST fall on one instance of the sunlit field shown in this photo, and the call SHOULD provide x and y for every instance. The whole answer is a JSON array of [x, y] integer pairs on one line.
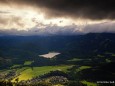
[[30, 73]]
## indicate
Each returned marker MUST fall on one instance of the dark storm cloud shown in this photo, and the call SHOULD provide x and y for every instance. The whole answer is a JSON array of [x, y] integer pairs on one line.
[[90, 9]]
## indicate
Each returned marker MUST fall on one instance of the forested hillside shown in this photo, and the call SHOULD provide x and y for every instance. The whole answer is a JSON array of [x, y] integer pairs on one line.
[[83, 59]]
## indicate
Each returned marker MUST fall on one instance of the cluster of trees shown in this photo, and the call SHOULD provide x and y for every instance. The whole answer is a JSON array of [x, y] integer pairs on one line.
[[8, 75], [43, 83], [6, 83]]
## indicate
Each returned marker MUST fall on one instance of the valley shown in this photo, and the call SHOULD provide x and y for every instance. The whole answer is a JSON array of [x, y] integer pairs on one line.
[[81, 60]]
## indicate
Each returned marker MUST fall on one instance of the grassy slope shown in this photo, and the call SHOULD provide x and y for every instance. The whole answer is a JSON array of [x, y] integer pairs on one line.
[[28, 62], [89, 83], [29, 73], [82, 68]]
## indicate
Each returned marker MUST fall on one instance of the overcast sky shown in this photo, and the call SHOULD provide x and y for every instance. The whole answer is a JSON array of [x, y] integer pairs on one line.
[[62, 17]]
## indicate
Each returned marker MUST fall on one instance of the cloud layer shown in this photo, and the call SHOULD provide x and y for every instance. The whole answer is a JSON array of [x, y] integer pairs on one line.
[[91, 9], [52, 17], [65, 30]]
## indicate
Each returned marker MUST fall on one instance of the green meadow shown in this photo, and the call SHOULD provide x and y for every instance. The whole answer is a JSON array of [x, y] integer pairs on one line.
[[28, 72]]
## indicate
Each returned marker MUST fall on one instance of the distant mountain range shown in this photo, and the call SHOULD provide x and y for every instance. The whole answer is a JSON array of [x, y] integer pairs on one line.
[[83, 46], [12, 46]]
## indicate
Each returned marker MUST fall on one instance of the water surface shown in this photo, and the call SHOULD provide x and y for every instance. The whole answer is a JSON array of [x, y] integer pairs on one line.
[[50, 55]]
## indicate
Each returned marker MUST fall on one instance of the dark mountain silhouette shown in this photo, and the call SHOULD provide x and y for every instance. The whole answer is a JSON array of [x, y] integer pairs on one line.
[[20, 48]]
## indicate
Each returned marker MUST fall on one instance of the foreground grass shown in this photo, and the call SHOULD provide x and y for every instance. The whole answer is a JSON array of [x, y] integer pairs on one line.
[[82, 68], [15, 66], [89, 83], [29, 72], [28, 62]]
